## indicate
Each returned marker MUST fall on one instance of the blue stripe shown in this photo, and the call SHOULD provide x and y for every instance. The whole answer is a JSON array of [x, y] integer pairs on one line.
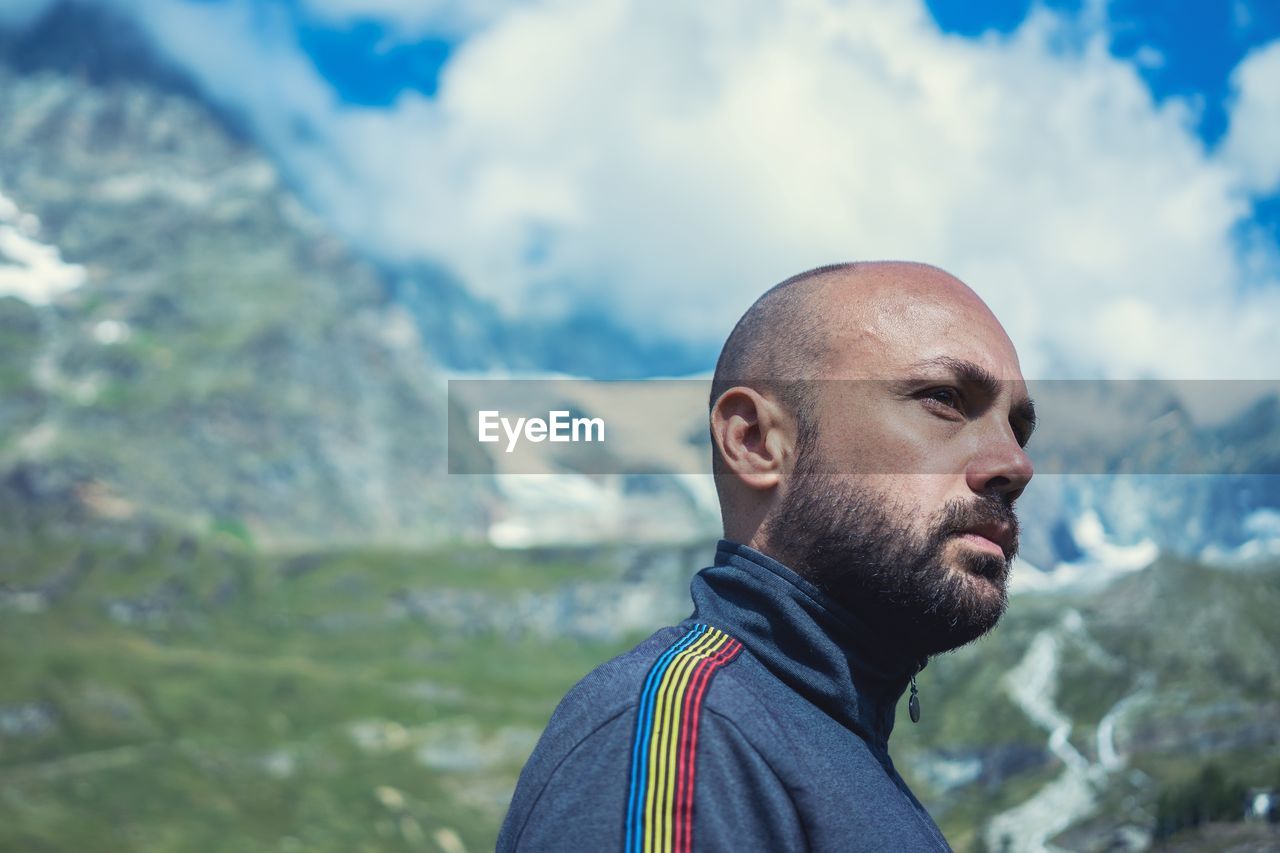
[[644, 720], [640, 757]]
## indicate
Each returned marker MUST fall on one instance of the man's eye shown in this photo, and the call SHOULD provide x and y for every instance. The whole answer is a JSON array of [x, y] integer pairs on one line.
[[946, 396]]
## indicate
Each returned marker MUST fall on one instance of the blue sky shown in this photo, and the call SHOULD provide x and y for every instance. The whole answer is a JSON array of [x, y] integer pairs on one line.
[[364, 69]]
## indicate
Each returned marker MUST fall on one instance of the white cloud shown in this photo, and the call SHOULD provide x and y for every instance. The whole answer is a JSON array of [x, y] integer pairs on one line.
[[671, 160], [1252, 144]]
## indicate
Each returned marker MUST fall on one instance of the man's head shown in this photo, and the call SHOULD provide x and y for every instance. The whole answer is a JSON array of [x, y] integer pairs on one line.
[[868, 423]]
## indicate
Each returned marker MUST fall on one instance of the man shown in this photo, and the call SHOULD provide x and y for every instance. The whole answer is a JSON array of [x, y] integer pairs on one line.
[[869, 424]]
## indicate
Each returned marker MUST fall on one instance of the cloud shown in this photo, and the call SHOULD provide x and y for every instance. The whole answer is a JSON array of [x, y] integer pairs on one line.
[[667, 162], [1252, 145]]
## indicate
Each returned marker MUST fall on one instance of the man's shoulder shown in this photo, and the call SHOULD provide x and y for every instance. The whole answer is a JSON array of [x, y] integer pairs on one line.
[[609, 691], [693, 661], [618, 755], [586, 745]]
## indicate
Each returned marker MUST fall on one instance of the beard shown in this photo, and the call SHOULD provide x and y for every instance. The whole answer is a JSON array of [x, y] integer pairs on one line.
[[858, 547]]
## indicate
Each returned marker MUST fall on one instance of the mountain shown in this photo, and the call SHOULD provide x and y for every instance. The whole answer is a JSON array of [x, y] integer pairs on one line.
[[95, 44], [1071, 721], [181, 339], [1124, 464]]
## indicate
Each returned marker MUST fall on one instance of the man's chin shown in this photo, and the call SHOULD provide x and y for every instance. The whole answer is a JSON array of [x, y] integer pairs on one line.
[[975, 602], [984, 569], [991, 578], [954, 630]]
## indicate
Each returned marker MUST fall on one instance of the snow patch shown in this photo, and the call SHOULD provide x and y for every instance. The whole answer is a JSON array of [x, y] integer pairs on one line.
[[30, 270], [1102, 560], [1264, 525], [576, 509], [108, 332], [1091, 536]]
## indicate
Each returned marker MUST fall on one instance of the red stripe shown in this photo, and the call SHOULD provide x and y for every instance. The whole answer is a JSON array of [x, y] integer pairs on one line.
[[684, 755], [679, 816], [727, 655], [687, 755]]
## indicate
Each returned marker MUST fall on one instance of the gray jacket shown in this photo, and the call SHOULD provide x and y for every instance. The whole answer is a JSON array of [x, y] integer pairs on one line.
[[760, 723]]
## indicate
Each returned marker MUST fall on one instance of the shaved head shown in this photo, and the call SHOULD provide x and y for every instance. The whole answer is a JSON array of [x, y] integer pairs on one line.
[[779, 336], [782, 343], [777, 344]]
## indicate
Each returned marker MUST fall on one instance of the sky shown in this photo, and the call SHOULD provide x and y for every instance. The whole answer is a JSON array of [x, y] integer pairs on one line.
[[1105, 175]]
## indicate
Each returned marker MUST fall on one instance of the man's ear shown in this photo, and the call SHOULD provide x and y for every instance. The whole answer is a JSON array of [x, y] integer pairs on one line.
[[754, 436]]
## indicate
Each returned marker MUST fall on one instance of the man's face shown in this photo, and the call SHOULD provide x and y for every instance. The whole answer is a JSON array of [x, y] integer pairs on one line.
[[901, 502]]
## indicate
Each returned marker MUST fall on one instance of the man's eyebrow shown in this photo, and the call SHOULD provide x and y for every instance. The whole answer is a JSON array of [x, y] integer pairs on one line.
[[977, 375], [964, 370]]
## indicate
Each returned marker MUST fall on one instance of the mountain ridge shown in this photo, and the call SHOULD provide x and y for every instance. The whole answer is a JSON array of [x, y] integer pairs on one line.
[[224, 359]]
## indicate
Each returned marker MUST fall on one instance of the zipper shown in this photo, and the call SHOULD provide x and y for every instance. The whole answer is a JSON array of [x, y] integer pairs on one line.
[[913, 704]]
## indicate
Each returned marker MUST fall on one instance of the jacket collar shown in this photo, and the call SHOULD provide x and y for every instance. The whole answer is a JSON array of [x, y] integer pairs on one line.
[[805, 638]]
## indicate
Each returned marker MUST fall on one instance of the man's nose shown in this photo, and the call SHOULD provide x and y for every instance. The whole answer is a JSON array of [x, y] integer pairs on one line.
[[1001, 466]]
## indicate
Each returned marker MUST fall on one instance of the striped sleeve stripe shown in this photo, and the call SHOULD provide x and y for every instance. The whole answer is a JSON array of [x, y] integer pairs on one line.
[[664, 750]]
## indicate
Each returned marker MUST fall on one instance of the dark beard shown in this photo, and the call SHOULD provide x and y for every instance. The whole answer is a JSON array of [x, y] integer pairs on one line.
[[858, 547]]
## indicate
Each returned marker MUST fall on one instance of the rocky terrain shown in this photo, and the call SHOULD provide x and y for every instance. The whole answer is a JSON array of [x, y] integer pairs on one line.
[[1113, 696], [179, 338]]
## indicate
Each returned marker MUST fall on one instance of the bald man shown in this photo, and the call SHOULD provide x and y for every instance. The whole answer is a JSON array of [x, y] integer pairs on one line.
[[869, 424]]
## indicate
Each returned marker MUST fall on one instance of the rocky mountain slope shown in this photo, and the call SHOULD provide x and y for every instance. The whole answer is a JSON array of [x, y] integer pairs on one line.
[[179, 337], [1063, 728]]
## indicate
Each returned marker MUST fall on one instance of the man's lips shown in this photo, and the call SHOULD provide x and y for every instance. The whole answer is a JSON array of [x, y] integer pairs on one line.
[[995, 538]]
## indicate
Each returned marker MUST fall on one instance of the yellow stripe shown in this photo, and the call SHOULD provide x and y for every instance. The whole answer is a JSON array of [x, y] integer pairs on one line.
[[672, 764], [664, 739], [661, 734]]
